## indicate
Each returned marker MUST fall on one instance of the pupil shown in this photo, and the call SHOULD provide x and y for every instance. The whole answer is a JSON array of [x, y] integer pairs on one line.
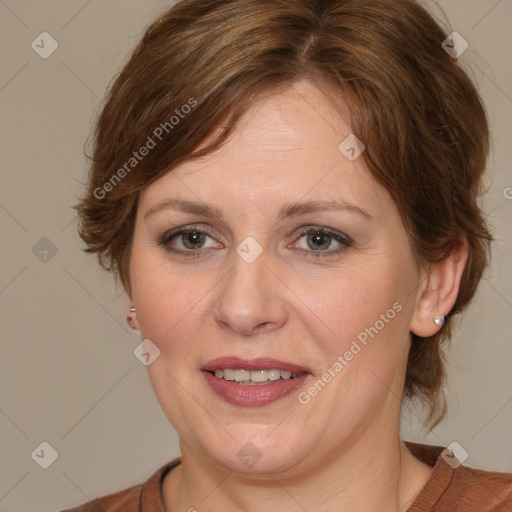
[[193, 238], [317, 239]]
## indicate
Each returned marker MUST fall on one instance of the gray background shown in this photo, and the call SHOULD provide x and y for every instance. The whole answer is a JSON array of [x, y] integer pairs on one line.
[[68, 373]]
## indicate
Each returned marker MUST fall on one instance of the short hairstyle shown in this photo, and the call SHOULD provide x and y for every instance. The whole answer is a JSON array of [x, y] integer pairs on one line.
[[202, 64]]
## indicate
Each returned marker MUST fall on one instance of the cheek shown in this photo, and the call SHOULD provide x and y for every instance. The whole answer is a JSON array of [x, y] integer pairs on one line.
[[357, 298], [368, 315], [165, 308], [173, 304], [157, 294]]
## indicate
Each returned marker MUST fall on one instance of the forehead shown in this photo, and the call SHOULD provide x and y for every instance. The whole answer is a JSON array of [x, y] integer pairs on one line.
[[286, 148]]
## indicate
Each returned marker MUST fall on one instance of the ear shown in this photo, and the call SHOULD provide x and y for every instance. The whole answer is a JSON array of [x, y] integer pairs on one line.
[[438, 290]]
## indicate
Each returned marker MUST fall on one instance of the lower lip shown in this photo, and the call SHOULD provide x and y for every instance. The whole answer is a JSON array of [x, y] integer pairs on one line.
[[253, 396]]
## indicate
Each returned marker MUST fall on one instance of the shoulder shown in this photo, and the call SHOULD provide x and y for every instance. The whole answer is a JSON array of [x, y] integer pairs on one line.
[[127, 500], [454, 486], [478, 489], [142, 497]]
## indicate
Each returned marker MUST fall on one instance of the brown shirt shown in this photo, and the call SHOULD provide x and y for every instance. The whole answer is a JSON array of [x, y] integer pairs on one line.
[[462, 489]]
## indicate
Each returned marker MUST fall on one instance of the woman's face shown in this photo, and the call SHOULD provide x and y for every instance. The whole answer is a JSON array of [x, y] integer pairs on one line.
[[272, 282]]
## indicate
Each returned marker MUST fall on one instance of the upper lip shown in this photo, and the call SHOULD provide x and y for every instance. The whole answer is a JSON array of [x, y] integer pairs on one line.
[[259, 363]]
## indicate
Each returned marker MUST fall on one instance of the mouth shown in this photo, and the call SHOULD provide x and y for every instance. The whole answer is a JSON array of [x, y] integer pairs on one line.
[[254, 382]]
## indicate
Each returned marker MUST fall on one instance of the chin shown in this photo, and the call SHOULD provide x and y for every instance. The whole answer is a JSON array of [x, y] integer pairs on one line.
[[260, 454], [274, 464]]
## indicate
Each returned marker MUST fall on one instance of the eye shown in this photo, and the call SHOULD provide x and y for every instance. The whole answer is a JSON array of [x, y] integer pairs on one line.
[[319, 240], [188, 239]]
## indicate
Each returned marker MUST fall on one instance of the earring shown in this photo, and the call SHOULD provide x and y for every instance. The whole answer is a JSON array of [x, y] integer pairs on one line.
[[130, 316], [439, 321]]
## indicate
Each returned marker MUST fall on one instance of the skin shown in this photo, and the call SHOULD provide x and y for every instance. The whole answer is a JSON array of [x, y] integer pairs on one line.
[[324, 455]]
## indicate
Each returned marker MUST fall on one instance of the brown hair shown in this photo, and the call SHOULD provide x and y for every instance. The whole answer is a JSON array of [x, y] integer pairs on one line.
[[412, 105]]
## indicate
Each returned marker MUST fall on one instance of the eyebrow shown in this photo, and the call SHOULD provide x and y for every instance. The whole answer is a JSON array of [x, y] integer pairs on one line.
[[287, 210]]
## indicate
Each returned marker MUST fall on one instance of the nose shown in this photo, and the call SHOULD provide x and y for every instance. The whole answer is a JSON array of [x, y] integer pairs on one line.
[[251, 298]]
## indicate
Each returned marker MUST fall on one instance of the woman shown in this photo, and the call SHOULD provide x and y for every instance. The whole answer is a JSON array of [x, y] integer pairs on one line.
[[288, 192]]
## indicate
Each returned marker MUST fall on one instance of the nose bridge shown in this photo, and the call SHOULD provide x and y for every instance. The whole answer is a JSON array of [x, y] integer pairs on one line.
[[250, 294]]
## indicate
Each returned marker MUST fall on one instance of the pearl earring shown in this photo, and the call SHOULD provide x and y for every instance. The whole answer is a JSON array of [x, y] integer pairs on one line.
[[130, 316], [439, 321]]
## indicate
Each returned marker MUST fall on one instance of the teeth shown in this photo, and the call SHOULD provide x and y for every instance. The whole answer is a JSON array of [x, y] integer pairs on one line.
[[242, 375], [254, 376], [259, 375], [274, 374]]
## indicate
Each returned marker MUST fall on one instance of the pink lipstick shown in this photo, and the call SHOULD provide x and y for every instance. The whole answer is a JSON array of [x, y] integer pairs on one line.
[[253, 382]]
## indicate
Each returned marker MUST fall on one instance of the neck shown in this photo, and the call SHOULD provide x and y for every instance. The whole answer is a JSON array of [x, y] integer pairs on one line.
[[380, 476]]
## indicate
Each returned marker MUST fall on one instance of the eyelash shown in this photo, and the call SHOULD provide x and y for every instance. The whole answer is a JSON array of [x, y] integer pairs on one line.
[[344, 240]]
